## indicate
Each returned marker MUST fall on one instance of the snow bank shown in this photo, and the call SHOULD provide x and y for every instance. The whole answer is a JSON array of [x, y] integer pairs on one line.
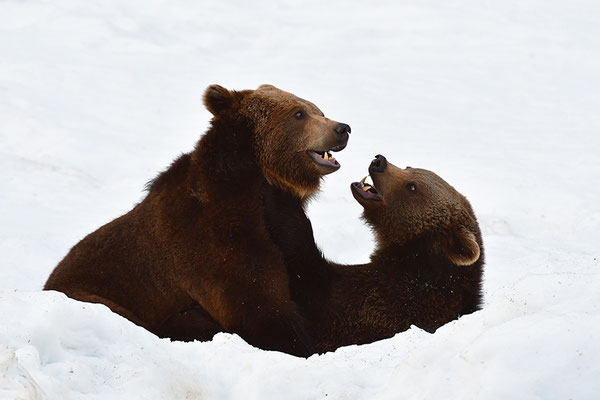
[[500, 99]]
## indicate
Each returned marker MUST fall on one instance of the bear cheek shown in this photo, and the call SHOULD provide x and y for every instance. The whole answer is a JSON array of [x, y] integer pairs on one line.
[[292, 171]]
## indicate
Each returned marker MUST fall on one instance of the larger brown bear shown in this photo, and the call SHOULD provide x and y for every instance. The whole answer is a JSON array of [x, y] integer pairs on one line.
[[426, 270], [194, 257]]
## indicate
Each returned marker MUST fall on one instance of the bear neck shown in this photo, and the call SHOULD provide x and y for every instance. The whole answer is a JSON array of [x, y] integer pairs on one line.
[[430, 275], [218, 178], [401, 286], [224, 158], [302, 195], [420, 261]]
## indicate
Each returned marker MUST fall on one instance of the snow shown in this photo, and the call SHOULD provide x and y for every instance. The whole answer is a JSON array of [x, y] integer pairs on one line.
[[501, 99]]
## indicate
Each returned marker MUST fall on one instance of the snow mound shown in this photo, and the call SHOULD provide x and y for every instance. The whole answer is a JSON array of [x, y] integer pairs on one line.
[[498, 98]]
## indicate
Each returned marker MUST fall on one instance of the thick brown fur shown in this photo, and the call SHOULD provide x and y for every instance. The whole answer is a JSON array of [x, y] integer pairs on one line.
[[195, 257], [426, 270]]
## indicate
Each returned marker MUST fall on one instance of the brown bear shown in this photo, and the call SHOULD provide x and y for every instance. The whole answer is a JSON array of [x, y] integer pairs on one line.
[[195, 257], [426, 269]]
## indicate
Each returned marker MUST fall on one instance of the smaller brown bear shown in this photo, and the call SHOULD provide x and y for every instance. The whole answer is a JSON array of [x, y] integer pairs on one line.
[[426, 269]]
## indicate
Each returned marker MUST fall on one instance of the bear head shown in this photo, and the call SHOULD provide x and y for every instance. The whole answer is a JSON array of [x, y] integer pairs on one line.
[[291, 137], [403, 205]]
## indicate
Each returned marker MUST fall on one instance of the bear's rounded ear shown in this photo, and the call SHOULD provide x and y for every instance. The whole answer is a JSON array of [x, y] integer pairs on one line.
[[266, 86], [463, 248], [217, 99]]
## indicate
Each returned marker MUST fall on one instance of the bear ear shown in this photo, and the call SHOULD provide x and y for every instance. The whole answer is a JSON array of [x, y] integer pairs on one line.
[[217, 99], [266, 86], [463, 248]]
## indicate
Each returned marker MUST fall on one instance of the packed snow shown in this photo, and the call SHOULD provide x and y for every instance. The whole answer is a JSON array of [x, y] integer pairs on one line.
[[501, 99]]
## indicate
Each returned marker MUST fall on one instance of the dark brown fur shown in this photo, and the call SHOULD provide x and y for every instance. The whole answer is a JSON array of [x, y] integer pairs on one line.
[[426, 269], [195, 257]]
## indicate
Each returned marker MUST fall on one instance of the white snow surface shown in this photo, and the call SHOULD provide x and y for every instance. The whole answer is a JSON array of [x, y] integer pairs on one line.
[[501, 99]]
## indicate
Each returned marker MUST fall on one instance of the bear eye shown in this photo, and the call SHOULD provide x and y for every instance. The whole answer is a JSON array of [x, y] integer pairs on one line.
[[412, 187], [299, 114]]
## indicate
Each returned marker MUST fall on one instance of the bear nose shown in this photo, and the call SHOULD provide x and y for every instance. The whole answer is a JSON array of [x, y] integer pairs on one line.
[[342, 129], [379, 164]]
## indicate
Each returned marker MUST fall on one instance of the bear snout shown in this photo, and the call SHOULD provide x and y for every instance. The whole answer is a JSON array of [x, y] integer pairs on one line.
[[343, 132], [378, 165]]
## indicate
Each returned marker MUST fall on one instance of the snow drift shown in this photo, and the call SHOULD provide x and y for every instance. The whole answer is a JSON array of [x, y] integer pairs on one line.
[[501, 100]]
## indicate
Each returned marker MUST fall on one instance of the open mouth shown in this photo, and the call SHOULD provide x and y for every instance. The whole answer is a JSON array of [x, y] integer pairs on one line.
[[325, 158], [366, 190]]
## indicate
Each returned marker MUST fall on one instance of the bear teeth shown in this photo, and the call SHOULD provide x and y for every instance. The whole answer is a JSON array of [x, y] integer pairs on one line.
[[327, 156], [364, 183], [366, 186]]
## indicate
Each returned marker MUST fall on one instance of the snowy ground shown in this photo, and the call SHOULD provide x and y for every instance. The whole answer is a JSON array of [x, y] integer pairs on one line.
[[499, 98]]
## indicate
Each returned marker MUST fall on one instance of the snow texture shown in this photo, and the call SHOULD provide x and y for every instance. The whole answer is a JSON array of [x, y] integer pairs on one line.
[[501, 99]]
